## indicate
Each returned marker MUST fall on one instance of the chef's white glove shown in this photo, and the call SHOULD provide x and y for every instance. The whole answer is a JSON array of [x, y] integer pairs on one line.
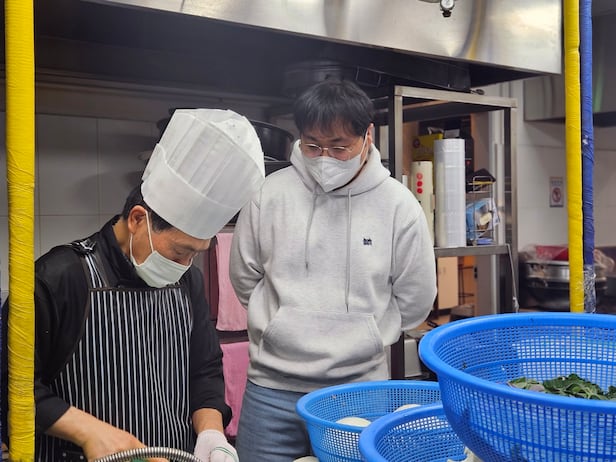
[[212, 446]]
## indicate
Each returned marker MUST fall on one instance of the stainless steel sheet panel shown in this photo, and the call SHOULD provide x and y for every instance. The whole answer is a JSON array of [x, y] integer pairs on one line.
[[521, 34]]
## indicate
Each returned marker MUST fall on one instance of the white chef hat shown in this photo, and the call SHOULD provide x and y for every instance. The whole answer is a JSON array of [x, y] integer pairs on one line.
[[203, 170]]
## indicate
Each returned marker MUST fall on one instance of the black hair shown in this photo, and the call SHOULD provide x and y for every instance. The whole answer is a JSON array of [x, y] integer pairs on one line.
[[334, 101], [135, 197]]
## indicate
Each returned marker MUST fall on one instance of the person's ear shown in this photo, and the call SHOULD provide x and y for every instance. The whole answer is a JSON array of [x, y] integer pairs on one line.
[[136, 218], [370, 134]]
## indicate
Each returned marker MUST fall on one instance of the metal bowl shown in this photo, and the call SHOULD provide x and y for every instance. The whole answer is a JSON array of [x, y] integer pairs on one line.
[[553, 295], [554, 271]]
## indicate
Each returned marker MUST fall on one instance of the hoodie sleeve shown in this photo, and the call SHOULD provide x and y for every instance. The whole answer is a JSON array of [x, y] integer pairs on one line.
[[414, 270], [245, 267]]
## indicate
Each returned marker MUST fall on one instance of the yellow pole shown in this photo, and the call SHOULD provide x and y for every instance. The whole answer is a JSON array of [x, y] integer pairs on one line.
[[574, 154], [20, 108]]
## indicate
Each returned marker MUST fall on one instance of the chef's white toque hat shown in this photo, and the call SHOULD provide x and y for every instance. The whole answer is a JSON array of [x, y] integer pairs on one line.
[[204, 169]]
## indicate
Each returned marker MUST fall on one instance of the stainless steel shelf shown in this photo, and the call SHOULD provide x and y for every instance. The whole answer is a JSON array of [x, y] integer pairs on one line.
[[404, 104], [401, 104], [476, 250]]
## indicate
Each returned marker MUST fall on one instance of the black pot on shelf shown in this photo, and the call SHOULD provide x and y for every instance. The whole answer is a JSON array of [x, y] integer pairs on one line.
[[275, 141]]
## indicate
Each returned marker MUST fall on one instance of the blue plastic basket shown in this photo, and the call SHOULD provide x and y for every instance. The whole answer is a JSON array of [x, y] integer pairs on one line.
[[421, 434], [334, 442], [475, 358]]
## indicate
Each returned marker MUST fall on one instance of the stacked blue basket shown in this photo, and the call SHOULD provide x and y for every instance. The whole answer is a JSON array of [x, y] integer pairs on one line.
[[421, 434], [475, 359], [334, 442]]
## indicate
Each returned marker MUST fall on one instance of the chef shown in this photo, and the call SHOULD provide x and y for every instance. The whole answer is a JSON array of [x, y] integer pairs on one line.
[[126, 355]]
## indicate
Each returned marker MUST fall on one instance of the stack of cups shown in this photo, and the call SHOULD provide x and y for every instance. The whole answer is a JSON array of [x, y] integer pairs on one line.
[[450, 217]]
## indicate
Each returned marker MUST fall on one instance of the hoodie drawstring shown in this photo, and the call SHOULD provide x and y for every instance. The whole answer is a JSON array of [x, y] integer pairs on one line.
[[347, 289], [308, 227]]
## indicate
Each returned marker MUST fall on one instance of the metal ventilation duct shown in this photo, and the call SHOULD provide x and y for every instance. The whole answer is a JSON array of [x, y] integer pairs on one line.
[[544, 97]]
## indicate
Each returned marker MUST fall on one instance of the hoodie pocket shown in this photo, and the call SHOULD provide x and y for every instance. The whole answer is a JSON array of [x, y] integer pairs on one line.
[[319, 345]]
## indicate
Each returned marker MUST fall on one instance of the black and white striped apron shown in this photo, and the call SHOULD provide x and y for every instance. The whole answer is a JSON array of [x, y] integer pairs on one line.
[[131, 366]]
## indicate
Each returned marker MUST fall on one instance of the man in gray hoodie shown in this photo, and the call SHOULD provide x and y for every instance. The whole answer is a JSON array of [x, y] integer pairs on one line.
[[333, 260]]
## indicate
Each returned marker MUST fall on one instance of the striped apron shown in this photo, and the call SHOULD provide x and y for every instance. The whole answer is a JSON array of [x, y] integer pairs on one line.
[[131, 366]]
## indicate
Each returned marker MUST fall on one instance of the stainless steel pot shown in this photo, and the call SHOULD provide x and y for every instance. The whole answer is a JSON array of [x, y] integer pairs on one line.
[[554, 271], [547, 283], [302, 75]]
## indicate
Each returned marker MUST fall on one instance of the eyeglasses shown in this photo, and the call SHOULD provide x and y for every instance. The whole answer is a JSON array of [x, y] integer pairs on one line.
[[337, 152]]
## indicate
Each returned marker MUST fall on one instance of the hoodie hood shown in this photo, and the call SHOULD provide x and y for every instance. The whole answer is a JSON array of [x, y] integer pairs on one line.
[[372, 174]]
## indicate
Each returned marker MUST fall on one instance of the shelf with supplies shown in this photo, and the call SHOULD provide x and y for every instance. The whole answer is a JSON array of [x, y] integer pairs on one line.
[[482, 215], [397, 105], [496, 248]]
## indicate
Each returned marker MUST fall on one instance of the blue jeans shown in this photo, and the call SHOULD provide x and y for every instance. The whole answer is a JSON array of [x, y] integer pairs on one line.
[[269, 429]]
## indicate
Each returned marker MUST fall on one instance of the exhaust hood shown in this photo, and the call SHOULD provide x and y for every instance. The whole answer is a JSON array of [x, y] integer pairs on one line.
[[544, 97], [245, 46], [522, 35]]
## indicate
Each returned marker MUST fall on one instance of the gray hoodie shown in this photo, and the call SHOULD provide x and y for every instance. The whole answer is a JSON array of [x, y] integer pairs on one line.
[[330, 279]]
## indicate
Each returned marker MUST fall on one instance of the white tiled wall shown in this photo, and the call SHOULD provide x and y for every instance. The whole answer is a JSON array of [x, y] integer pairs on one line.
[[541, 150], [86, 165]]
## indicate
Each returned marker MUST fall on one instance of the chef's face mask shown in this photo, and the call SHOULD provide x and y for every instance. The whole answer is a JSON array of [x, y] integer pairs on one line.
[[156, 270], [332, 173]]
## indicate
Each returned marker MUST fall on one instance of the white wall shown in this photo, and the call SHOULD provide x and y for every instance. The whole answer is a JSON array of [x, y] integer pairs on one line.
[[84, 169], [86, 165], [541, 151]]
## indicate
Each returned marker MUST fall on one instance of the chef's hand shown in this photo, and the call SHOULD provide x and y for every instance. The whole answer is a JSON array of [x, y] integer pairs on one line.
[[114, 441], [212, 446], [96, 438]]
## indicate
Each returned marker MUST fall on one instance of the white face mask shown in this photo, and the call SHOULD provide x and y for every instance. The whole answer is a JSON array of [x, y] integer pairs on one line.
[[332, 173], [156, 270]]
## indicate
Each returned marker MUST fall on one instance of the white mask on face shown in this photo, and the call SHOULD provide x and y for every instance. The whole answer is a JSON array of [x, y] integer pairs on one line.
[[156, 270], [332, 173]]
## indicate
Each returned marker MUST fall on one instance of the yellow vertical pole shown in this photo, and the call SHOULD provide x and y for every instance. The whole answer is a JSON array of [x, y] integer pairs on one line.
[[20, 109], [574, 154]]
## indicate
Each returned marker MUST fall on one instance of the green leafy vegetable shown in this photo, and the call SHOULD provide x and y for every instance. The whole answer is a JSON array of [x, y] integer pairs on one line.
[[571, 385], [527, 384]]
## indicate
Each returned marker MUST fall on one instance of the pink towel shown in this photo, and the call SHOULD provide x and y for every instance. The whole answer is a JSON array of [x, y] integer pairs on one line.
[[234, 369], [231, 313]]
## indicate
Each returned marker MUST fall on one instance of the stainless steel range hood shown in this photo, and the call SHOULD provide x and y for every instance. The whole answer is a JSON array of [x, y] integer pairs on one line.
[[522, 35], [245, 46], [544, 97]]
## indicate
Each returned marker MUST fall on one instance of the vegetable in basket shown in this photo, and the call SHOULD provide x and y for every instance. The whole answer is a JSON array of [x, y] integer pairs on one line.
[[572, 385]]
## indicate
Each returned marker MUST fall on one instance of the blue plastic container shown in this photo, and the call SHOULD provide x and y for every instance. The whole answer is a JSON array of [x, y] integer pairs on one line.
[[475, 358], [421, 434], [334, 442]]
